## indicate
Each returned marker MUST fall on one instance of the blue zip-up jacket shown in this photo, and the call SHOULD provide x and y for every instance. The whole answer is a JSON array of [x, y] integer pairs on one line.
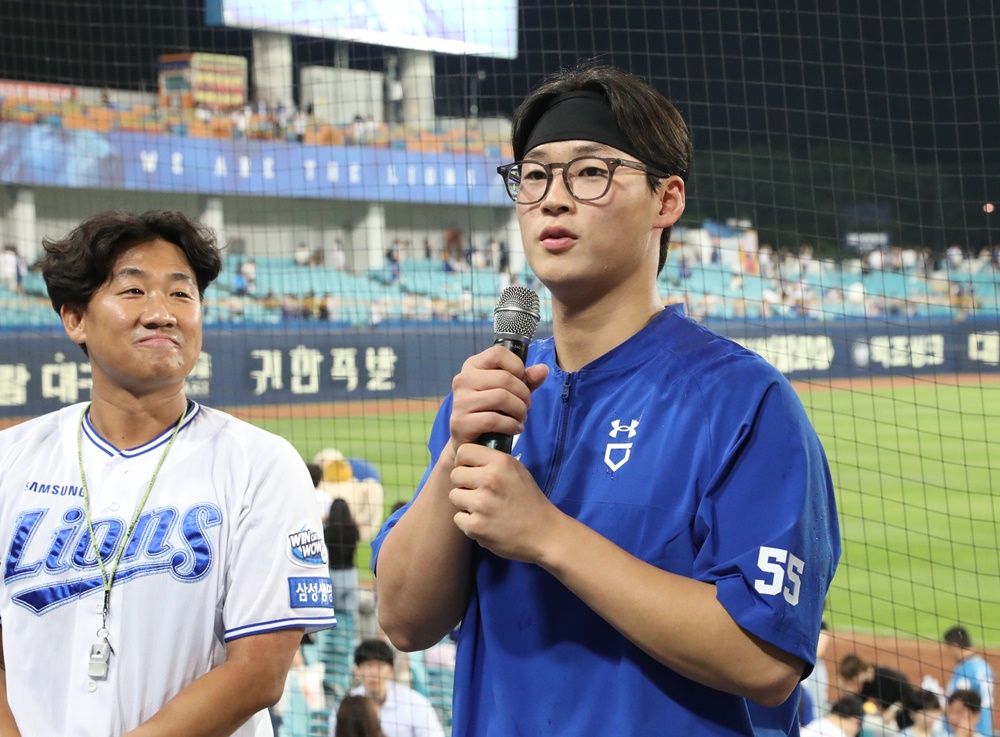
[[694, 455]]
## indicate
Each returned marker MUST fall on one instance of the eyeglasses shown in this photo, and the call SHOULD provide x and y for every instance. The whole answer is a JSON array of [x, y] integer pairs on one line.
[[587, 178]]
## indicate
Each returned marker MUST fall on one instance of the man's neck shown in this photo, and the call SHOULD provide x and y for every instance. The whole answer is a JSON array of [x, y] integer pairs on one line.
[[127, 421], [585, 334], [966, 655], [379, 698]]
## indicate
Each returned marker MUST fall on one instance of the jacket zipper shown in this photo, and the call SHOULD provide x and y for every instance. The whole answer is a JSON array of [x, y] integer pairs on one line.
[[560, 436]]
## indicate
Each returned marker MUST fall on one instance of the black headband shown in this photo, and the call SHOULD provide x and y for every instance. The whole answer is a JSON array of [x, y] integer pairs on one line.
[[578, 116]]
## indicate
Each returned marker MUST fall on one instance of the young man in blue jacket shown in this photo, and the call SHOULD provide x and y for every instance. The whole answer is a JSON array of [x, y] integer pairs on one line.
[[655, 551]]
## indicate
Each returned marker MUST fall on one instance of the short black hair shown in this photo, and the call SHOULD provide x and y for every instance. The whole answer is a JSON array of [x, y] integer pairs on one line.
[[77, 266], [959, 636], [848, 706], [969, 698], [851, 667], [886, 687], [374, 649], [921, 699], [315, 473]]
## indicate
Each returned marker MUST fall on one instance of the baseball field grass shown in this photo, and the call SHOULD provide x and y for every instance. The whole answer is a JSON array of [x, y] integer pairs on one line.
[[915, 485], [920, 514]]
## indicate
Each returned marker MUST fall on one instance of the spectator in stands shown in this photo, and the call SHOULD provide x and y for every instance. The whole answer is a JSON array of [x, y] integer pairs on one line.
[[972, 673], [392, 258], [853, 673], [299, 126], [241, 123], [291, 307], [279, 120], [358, 129], [963, 713], [955, 256], [310, 306], [765, 260], [237, 305], [22, 271], [357, 716], [583, 612], [806, 262], [341, 534], [453, 238], [249, 271], [921, 712], [202, 113], [685, 263], [9, 268], [884, 694], [963, 296], [329, 307], [339, 255], [302, 254], [844, 720], [402, 711], [239, 281], [503, 256]]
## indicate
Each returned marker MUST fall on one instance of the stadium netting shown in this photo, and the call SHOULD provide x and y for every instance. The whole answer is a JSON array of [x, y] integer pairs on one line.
[[839, 222]]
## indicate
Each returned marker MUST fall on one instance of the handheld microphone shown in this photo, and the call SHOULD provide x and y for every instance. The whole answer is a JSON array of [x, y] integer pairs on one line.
[[515, 319]]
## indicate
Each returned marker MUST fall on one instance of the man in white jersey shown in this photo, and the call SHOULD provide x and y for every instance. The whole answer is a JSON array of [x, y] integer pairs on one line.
[[161, 559]]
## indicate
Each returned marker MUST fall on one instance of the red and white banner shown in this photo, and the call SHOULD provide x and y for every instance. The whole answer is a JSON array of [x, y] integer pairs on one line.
[[36, 91]]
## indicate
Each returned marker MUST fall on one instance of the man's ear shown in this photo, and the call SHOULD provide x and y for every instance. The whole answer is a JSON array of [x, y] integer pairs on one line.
[[671, 199], [74, 322]]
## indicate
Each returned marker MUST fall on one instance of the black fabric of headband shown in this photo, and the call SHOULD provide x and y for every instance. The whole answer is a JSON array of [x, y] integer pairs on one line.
[[578, 116]]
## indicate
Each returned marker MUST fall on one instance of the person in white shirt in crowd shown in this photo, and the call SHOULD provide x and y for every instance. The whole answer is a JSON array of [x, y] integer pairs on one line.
[[403, 712], [8, 268], [844, 720], [962, 712]]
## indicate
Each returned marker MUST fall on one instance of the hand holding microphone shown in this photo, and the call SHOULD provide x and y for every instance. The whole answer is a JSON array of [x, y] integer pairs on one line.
[[498, 503], [515, 319]]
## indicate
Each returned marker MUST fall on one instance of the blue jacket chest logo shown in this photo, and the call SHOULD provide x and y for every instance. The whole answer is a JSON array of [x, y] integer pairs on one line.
[[617, 455]]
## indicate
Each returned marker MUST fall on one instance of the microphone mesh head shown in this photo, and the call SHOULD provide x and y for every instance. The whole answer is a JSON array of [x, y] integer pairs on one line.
[[516, 312]]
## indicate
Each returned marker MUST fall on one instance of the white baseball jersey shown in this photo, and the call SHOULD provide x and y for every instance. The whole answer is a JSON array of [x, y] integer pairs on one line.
[[229, 544]]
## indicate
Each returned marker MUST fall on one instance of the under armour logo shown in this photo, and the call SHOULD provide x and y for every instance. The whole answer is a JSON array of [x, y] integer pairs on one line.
[[616, 427], [616, 455]]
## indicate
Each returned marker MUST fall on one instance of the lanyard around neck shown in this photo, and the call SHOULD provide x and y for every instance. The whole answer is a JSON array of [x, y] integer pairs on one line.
[[105, 577]]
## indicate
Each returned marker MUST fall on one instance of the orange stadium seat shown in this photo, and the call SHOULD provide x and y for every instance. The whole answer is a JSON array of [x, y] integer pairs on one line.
[[337, 136], [199, 129], [76, 121], [221, 127], [322, 135], [427, 147]]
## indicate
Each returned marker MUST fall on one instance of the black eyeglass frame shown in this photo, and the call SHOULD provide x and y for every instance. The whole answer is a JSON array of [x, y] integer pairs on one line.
[[613, 164]]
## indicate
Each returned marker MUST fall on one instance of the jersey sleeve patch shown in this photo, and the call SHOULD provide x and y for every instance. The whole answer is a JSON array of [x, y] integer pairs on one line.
[[310, 591], [306, 548]]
